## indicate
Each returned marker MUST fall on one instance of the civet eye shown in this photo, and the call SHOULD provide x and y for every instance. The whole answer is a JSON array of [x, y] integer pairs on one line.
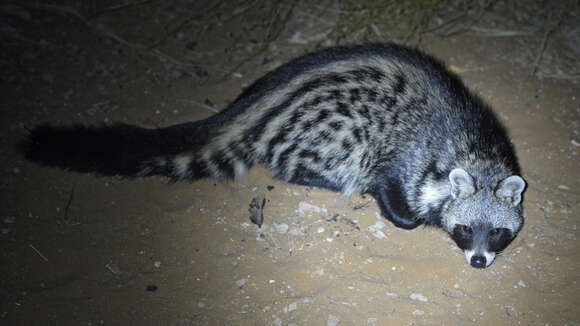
[[494, 232], [466, 229]]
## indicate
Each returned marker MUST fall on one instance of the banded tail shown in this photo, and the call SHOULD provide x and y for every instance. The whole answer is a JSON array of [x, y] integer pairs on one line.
[[121, 149]]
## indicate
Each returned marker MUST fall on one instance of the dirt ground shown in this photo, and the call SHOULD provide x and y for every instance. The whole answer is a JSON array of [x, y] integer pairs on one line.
[[84, 250]]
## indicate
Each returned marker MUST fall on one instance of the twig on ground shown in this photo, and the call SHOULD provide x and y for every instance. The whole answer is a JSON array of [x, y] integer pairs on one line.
[[497, 32], [270, 37], [39, 253], [203, 105], [73, 12], [184, 23], [120, 6], [547, 33], [70, 199]]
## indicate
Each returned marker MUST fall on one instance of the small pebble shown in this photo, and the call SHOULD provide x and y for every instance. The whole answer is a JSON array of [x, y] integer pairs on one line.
[[291, 307], [151, 288], [113, 269], [332, 320], [282, 228], [241, 282], [418, 296]]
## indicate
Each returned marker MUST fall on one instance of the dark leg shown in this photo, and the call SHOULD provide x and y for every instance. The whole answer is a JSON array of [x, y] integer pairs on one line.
[[394, 207], [306, 177]]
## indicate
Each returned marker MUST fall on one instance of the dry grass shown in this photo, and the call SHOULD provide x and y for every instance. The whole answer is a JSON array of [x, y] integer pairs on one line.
[[546, 30]]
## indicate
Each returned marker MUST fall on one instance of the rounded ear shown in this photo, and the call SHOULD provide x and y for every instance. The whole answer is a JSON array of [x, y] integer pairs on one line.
[[510, 190], [462, 185]]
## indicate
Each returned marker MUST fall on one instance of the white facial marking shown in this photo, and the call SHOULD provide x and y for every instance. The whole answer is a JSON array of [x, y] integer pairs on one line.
[[489, 256], [468, 255]]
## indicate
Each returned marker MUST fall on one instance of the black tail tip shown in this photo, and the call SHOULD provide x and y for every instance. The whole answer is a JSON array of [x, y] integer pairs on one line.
[[107, 150], [51, 146]]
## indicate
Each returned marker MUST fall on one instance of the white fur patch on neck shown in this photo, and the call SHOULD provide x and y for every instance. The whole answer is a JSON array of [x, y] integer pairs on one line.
[[432, 193]]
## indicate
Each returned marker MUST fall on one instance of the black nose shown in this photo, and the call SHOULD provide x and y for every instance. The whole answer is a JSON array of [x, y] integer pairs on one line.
[[478, 261]]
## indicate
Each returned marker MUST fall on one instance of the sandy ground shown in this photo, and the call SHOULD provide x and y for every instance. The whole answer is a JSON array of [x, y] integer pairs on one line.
[[82, 250]]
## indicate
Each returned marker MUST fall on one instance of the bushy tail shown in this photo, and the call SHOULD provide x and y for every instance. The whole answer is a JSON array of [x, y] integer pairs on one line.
[[121, 149]]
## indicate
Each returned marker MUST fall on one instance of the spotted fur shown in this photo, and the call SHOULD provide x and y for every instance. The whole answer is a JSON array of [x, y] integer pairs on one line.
[[378, 119]]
